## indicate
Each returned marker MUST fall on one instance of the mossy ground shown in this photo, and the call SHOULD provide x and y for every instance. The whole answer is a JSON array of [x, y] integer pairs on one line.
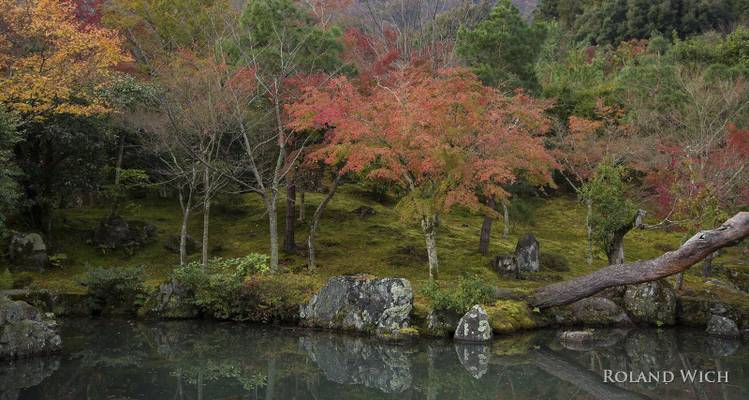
[[347, 244]]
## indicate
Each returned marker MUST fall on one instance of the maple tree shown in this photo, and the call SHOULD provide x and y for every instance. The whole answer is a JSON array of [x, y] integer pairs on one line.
[[441, 136], [51, 62]]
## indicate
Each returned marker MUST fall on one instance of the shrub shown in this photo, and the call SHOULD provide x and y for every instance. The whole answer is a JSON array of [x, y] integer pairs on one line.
[[114, 291], [238, 289], [22, 280], [6, 280], [471, 290], [553, 262]]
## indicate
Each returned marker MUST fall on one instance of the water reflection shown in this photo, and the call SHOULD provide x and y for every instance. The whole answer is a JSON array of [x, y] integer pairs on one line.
[[202, 360]]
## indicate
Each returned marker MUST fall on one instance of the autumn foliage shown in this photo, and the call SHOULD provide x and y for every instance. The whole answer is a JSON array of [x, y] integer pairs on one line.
[[52, 62]]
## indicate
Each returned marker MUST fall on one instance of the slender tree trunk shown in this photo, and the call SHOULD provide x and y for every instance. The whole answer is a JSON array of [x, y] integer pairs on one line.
[[206, 215], [186, 208], [589, 227], [506, 214], [691, 252], [301, 206], [115, 211], [289, 244], [486, 230], [316, 221], [615, 250], [429, 226], [270, 205]]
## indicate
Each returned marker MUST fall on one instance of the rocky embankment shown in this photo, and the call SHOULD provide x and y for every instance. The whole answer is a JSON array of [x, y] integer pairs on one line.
[[25, 331]]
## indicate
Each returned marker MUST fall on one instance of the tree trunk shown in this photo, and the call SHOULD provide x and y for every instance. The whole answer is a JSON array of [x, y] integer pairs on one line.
[[691, 252], [506, 214], [186, 208], [707, 265], [115, 211], [206, 222], [316, 221], [615, 248], [301, 206], [429, 226], [486, 230], [289, 244], [270, 204], [589, 227]]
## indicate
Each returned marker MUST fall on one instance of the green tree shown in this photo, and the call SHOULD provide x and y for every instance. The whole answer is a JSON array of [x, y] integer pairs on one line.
[[502, 49], [614, 215], [9, 190]]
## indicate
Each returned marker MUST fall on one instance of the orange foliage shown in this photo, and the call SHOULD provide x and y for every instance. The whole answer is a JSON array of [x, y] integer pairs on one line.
[[50, 62], [439, 135]]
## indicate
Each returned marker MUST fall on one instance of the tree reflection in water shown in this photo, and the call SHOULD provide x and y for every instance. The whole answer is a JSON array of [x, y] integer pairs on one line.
[[190, 360]]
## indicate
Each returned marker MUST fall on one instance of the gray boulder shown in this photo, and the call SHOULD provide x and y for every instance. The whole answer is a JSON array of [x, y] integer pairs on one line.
[[723, 327], [24, 331], [577, 336], [362, 304], [28, 250], [442, 322], [506, 265], [191, 245], [474, 357], [526, 254], [474, 326], [116, 233], [172, 300], [651, 303], [599, 311]]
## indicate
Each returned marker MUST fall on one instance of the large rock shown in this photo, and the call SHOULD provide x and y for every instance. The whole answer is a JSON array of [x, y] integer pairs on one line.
[[28, 250], [361, 304], [172, 301], [191, 245], [651, 303], [723, 327], [24, 331], [116, 233], [599, 311], [442, 322], [474, 326], [526, 254]]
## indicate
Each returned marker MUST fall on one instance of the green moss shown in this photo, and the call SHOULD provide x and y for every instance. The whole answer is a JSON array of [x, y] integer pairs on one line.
[[506, 316], [348, 244]]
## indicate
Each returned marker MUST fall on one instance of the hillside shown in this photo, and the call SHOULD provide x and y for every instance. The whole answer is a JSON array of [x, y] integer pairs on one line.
[[381, 245]]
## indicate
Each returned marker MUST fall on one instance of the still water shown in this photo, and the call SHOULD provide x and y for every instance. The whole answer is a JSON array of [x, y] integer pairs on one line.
[[207, 360]]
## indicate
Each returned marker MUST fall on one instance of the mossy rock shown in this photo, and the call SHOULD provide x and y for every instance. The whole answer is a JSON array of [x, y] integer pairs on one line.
[[507, 316]]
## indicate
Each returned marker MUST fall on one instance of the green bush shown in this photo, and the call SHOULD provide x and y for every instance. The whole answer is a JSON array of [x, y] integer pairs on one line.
[[115, 291], [471, 290], [238, 289], [6, 280], [553, 262]]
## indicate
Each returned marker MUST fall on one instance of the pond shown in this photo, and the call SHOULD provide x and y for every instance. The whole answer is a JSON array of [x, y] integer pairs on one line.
[[209, 360]]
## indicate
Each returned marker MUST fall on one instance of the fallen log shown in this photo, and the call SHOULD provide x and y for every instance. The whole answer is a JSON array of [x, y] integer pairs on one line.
[[691, 252]]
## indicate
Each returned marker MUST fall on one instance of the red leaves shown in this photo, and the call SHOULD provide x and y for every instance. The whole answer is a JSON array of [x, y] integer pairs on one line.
[[419, 130]]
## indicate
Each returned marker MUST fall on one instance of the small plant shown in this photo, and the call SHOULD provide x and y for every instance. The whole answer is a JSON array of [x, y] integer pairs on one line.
[[471, 290], [115, 291], [6, 280], [58, 260]]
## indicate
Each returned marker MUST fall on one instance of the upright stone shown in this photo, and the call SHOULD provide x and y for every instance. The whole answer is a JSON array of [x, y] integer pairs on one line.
[[723, 327], [651, 303], [526, 254], [474, 326]]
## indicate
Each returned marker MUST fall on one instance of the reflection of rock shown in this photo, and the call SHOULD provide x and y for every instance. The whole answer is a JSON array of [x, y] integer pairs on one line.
[[588, 340], [25, 373], [357, 361], [474, 326], [650, 351], [722, 326], [474, 357], [24, 331], [598, 311], [651, 303], [360, 303], [721, 346]]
